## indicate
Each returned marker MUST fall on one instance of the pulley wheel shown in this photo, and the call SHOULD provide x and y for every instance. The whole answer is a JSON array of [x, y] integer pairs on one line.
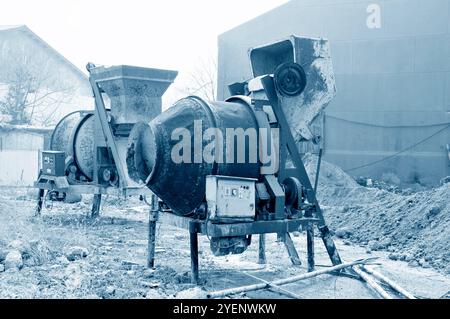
[[290, 79], [293, 190]]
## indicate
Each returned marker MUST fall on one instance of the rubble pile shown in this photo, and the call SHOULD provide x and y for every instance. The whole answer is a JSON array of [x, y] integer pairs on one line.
[[413, 226]]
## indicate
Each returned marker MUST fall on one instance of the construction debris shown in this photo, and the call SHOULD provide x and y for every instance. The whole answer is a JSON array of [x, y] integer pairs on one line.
[[265, 285], [388, 281], [412, 226], [371, 282]]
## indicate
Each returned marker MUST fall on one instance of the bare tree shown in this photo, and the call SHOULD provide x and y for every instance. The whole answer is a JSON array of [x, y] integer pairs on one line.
[[202, 81], [33, 90]]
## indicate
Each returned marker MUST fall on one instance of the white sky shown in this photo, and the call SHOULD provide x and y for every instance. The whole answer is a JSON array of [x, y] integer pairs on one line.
[[171, 34]]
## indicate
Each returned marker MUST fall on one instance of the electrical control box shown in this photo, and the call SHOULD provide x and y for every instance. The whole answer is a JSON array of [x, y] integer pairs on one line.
[[230, 197], [53, 163]]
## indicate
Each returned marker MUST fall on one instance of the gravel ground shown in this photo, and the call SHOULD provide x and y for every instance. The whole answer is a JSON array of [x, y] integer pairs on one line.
[[66, 255]]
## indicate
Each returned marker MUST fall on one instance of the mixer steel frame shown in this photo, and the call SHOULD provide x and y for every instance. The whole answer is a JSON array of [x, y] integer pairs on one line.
[[60, 183], [280, 225]]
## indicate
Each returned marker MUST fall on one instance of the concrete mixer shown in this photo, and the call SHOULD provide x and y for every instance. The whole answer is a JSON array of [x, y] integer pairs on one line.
[[235, 182], [226, 169], [92, 144]]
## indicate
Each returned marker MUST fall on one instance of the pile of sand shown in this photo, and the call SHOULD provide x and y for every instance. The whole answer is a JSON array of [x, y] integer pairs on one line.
[[413, 227]]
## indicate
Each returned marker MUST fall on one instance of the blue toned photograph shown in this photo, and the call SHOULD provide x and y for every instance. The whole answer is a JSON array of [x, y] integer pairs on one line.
[[240, 155]]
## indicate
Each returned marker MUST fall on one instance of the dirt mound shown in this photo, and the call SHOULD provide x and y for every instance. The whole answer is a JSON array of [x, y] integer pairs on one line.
[[414, 227]]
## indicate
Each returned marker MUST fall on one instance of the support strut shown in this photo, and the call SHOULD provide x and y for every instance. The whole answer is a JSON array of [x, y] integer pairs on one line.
[[262, 249], [152, 219], [95, 212], [300, 171], [40, 201]]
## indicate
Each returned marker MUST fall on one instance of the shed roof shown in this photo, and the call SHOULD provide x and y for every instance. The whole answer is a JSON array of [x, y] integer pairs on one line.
[[23, 28], [4, 127]]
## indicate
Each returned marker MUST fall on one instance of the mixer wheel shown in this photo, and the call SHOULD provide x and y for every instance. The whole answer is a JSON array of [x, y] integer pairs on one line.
[[290, 79]]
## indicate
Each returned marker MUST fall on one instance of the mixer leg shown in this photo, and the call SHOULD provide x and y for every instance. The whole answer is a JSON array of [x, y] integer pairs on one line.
[[96, 205], [40, 201], [330, 246], [262, 249], [194, 257], [310, 246], [291, 250], [153, 217]]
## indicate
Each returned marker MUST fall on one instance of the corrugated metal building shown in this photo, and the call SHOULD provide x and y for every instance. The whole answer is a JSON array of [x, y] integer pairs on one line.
[[392, 64]]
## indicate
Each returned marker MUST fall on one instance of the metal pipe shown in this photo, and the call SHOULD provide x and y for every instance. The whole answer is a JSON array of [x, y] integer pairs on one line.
[[388, 281], [275, 287], [372, 283], [232, 291]]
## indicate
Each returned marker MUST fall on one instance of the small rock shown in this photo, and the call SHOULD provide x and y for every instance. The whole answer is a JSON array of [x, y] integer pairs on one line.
[[343, 232], [62, 260], [128, 265], [192, 293], [394, 256], [368, 250], [13, 260], [408, 257], [72, 198], [23, 247], [159, 250], [445, 180], [149, 284], [183, 278], [447, 270], [3, 253], [373, 245], [76, 252], [2, 268], [296, 234], [110, 290], [153, 294], [148, 273], [433, 212], [385, 242], [426, 264], [73, 276], [413, 263], [347, 243]]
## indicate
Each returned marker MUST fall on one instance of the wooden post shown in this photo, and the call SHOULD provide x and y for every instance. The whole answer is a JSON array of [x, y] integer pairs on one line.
[[96, 205], [262, 249]]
